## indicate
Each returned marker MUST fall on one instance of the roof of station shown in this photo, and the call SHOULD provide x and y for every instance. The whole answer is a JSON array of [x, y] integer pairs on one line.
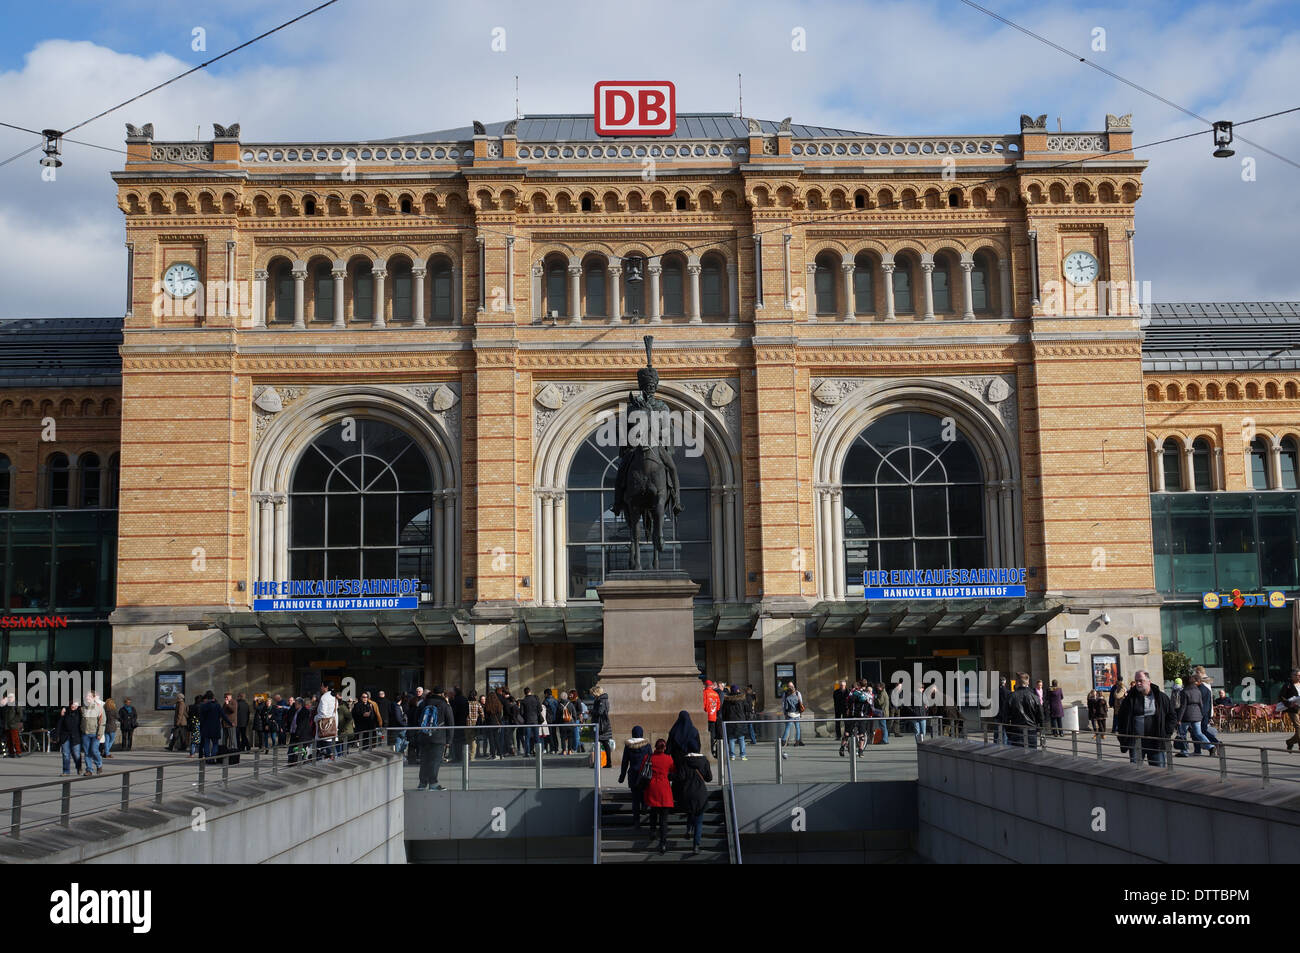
[[1222, 336], [578, 127], [60, 352]]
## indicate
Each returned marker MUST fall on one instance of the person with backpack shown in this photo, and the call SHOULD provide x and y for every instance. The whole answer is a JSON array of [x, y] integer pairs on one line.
[[568, 717], [692, 794], [636, 770], [857, 706], [435, 719], [551, 705]]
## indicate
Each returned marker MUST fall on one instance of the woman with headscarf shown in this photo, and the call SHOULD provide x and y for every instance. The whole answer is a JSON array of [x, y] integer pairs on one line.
[[635, 754], [659, 793], [683, 739]]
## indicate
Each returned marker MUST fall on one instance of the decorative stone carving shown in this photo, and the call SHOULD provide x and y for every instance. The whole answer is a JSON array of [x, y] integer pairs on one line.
[[722, 394], [549, 396], [444, 398], [479, 128], [828, 392], [728, 413], [269, 401], [510, 127], [182, 152], [564, 392], [140, 132], [755, 129], [494, 150], [1119, 122], [785, 124], [443, 401], [1028, 122], [998, 391], [769, 146], [225, 132], [1076, 144]]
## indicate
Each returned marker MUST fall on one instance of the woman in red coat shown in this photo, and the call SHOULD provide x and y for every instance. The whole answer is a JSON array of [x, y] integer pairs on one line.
[[659, 793]]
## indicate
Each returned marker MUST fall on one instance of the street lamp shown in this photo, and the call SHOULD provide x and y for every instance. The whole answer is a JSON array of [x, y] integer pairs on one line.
[[51, 158], [1222, 139]]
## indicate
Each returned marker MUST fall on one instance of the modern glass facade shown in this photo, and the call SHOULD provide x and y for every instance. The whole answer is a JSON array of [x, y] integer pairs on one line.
[[1221, 542], [59, 563]]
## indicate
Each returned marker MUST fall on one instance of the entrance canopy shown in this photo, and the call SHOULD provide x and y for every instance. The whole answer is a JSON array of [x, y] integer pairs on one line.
[[368, 629], [932, 617]]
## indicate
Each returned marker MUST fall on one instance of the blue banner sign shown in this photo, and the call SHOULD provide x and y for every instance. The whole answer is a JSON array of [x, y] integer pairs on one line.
[[334, 595], [907, 584]]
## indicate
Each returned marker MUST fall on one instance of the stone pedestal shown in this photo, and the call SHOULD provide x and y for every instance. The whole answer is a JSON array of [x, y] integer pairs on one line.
[[649, 670]]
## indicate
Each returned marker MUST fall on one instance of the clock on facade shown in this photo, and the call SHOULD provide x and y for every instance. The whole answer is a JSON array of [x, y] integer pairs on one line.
[[181, 280], [1080, 268]]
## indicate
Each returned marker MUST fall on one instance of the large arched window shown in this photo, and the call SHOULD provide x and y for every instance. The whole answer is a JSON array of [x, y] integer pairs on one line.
[[323, 286], [634, 279], [5, 478], [1171, 460], [363, 292], [88, 481], [57, 480], [824, 283], [913, 498], [361, 506], [980, 284], [1201, 473], [283, 278], [598, 539], [1259, 463], [941, 280]]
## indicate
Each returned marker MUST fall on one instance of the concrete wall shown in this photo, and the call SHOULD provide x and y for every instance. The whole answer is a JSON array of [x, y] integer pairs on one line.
[[342, 812], [995, 804]]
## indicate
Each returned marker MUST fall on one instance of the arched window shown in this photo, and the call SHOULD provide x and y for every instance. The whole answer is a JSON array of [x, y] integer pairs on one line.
[[596, 289], [5, 471], [402, 286], [712, 295], [323, 286], [557, 288], [88, 480], [902, 286], [284, 293], [864, 298], [941, 282], [634, 272], [441, 289], [671, 287], [824, 283], [1171, 460], [361, 508], [363, 292], [1259, 463], [114, 478], [1201, 472], [57, 478], [1289, 462], [912, 500], [980, 284], [598, 539]]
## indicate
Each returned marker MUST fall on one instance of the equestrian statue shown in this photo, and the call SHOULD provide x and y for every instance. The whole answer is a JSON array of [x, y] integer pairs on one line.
[[646, 487]]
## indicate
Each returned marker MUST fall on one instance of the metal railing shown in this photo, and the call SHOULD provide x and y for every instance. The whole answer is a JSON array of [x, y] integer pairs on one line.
[[595, 827], [1233, 760], [729, 800], [53, 801], [463, 749]]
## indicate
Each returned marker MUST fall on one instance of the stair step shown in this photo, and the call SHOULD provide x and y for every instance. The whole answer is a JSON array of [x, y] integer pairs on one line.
[[672, 856]]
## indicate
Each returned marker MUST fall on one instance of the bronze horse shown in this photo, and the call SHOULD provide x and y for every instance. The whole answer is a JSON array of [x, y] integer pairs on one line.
[[643, 501]]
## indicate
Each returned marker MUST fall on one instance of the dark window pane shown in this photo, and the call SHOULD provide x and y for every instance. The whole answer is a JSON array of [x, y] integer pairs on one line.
[[557, 285], [284, 297], [864, 301], [324, 296], [859, 513], [1201, 466], [363, 296], [402, 287], [379, 564], [1289, 461], [979, 289], [930, 510], [307, 564], [895, 511], [966, 509], [1279, 552], [379, 515], [902, 289], [895, 555], [584, 509], [415, 515], [942, 297], [931, 554], [1173, 465], [671, 280], [307, 520], [1259, 464], [343, 515], [441, 292], [343, 563], [596, 291], [711, 290], [824, 287]]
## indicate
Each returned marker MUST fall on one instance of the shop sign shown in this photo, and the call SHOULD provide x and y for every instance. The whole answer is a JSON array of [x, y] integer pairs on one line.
[[1236, 599], [335, 595], [909, 584]]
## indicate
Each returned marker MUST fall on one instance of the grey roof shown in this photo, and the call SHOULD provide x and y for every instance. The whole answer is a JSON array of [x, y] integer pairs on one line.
[[582, 128], [1222, 336], [60, 352]]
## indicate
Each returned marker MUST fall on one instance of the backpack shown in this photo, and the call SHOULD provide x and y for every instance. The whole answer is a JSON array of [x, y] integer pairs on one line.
[[566, 714], [429, 719]]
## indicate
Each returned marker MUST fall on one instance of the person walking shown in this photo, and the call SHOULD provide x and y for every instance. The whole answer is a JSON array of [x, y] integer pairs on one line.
[[659, 792], [1191, 712], [712, 705], [12, 720], [602, 727], [857, 707], [731, 717], [751, 713], [243, 716], [92, 734], [263, 726], [111, 726], [792, 707], [1000, 735], [683, 739], [576, 708], [326, 721], [1289, 697], [397, 712], [180, 739], [1025, 714], [492, 715], [230, 711], [1097, 713], [347, 726], [551, 705], [1056, 708], [127, 720], [693, 794], [532, 711], [67, 735], [213, 720], [435, 722], [1117, 693], [1207, 708], [1145, 721], [838, 707], [195, 735], [636, 758]]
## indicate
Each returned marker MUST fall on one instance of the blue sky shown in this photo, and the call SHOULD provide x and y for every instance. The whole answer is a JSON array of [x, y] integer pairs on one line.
[[379, 68]]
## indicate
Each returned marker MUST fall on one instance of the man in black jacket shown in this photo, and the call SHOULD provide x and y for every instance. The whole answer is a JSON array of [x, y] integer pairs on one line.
[[433, 740], [532, 709], [837, 705], [1146, 720], [1024, 713], [1000, 735], [243, 714], [460, 716]]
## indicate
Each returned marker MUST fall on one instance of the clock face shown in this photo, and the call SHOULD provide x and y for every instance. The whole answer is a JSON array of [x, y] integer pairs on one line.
[[181, 280], [1080, 268]]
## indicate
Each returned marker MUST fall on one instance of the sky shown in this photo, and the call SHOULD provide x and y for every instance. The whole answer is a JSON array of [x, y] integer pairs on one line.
[[1207, 229]]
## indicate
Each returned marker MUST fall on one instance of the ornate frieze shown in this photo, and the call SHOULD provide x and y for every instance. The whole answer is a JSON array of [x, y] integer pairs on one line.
[[182, 152], [1076, 143]]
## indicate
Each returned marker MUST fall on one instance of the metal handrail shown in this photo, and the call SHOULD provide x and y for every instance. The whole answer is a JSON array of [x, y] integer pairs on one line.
[[66, 814], [595, 828], [729, 802]]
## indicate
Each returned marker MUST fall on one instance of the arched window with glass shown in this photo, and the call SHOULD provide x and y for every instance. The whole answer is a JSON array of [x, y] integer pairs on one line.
[[941, 282], [361, 508], [58, 480], [557, 287], [713, 299], [402, 291], [363, 292], [634, 278], [284, 292], [595, 287], [980, 278], [598, 540], [1259, 450], [440, 289], [1202, 473], [826, 266], [670, 283], [5, 482], [1289, 463], [903, 286], [1171, 459], [323, 292], [912, 499], [88, 480], [864, 298]]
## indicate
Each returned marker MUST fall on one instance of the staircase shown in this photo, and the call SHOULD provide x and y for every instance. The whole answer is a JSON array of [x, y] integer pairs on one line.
[[621, 843]]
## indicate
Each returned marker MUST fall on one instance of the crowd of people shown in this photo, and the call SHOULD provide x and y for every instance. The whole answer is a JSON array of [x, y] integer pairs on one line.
[[671, 774]]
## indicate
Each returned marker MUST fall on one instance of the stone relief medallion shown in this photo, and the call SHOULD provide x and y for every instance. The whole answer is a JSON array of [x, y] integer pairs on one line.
[[722, 394], [726, 410], [444, 398], [828, 393], [998, 391], [549, 396], [269, 401]]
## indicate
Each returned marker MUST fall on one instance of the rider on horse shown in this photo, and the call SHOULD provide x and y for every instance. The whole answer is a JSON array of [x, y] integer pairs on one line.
[[647, 378]]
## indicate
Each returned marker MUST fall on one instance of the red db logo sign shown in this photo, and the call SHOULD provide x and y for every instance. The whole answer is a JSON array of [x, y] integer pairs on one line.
[[636, 109]]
